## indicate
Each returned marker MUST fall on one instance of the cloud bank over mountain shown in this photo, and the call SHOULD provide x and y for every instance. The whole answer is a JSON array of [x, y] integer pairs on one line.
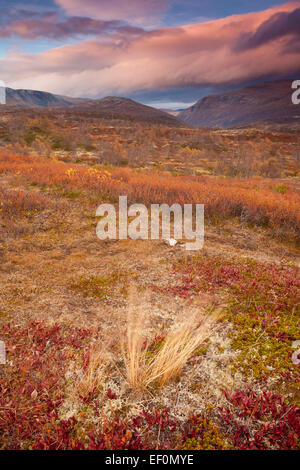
[[111, 55]]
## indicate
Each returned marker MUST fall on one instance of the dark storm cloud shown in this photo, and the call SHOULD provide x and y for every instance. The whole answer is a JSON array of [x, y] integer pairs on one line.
[[280, 25], [126, 59], [31, 25], [9, 15]]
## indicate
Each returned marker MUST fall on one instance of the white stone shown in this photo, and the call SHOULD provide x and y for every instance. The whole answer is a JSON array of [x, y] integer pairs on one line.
[[170, 242]]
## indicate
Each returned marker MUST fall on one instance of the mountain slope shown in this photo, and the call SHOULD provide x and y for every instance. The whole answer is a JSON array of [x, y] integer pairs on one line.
[[38, 98], [267, 102], [111, 106], [117, 107]]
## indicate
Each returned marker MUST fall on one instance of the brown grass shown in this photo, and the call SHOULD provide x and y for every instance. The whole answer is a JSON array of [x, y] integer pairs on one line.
[[253, 203], [147, 367], [90, 380]]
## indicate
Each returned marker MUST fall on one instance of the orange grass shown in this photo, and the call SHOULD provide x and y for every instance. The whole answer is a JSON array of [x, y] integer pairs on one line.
[[221, 197], [15, 202], [145, 368]]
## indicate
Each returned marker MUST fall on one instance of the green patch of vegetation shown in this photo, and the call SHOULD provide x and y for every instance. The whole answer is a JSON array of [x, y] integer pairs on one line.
[[97, 286], [155, 347], [31, 213], [72, 194], [263, 307], [201, 351], [280, 188], [205, 435], [30, 138], [59, 144]]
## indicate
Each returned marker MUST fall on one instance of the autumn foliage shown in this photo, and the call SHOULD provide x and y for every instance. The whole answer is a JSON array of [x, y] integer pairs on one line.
[[254, 202], [33, 388]]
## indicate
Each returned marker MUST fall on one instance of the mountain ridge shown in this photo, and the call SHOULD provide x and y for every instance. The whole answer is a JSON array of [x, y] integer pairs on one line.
[[265, 102], [108, 106], [268, 102]]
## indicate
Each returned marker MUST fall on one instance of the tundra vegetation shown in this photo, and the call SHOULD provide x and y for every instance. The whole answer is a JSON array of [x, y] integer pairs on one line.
[[134, 344]]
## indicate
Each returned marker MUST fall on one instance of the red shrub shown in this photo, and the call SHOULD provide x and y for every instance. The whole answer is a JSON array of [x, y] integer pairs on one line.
[[261, 421]]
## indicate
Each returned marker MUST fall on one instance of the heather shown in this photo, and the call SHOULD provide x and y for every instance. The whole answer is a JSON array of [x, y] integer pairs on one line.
[[32, 391], [222, 198], [133, 344]]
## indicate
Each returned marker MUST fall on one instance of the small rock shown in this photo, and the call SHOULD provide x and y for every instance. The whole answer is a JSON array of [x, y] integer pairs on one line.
[[170, 242]]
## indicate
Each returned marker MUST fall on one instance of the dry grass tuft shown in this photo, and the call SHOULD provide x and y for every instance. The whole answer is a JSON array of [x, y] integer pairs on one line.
[[147, 368], [177, 348], [90, 380], [133, 349]]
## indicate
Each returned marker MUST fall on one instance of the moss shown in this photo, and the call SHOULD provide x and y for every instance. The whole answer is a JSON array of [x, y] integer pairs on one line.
[[72, 194], [30, 138], [205, 435], [97, 286], [263, 307], [280, 188]]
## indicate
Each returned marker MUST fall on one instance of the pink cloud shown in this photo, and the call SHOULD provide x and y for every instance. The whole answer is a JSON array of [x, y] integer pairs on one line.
[[134, 11], [193, 55], [53, 28], [281, 24]]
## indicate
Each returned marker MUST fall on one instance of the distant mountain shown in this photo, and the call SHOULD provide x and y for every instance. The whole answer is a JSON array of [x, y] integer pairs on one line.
[[266, 102], [43, 99], [111, 106], [117, 107]]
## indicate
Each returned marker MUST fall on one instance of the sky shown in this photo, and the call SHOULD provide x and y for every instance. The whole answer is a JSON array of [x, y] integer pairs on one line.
[[165, 53]]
